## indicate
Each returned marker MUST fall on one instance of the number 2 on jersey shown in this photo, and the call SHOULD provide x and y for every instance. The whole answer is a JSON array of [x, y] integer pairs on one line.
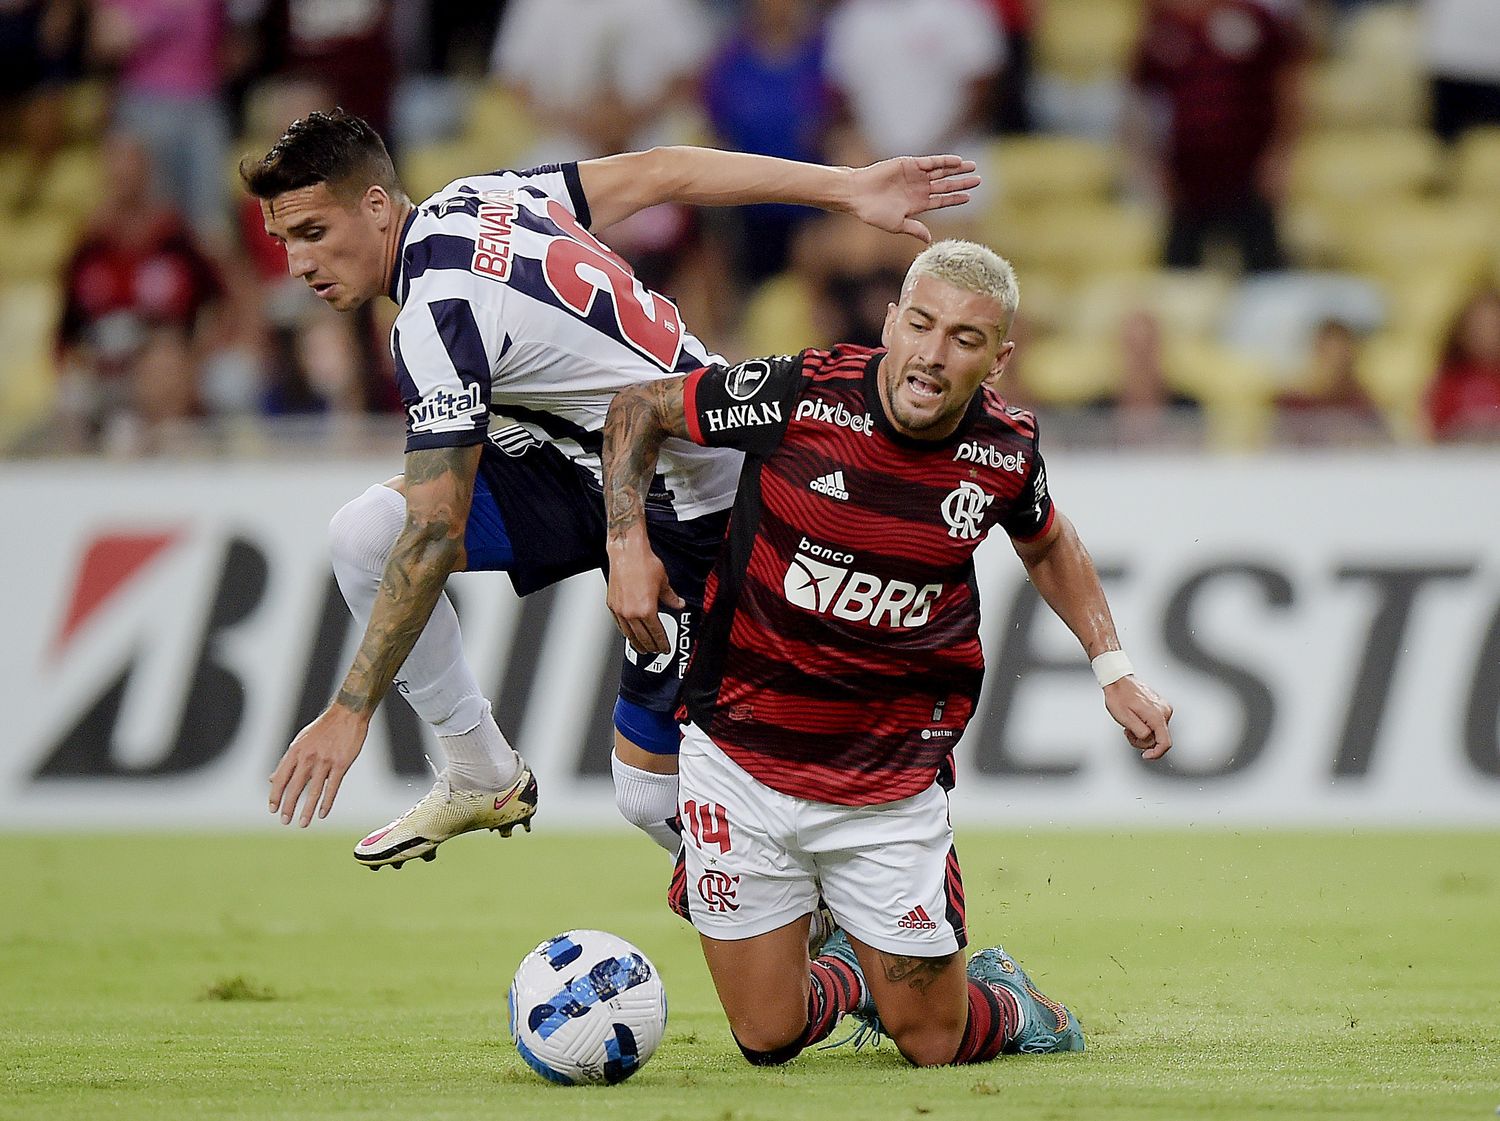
[[654, 330], [709, 822]]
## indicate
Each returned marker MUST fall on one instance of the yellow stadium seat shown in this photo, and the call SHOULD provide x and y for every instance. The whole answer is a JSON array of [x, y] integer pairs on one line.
[[1080, 239], [1396, 370], [1425, 300], [29, 312], [1187, 303], [1396, 236], [1349, 166], [1345, 94], [778, 317], [1383, 37], [1087, 40], [1476, 164], [1052, 168], [1067, 371], [499, 124], [1046, 301], [37, 245], [1236, 390], [430, 167], [88, 106]]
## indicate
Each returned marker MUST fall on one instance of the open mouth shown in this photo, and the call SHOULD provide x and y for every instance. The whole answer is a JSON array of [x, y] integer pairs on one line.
[[323, 288], [923, 388]]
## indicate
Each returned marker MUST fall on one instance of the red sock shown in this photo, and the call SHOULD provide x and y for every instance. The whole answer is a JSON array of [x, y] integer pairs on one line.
[[994, 1017], [836, 989]]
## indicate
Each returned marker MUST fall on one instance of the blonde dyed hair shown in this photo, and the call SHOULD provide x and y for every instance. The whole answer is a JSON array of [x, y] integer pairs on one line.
[[972, 267]]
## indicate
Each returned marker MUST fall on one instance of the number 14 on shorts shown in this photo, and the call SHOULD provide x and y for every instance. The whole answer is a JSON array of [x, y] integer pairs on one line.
[[709, 823]]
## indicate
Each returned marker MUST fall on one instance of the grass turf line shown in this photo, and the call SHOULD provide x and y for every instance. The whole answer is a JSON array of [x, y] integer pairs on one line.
[[1219, 975]]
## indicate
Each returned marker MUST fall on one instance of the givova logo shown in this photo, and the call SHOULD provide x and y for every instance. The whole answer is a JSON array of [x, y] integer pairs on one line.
[[821, 580]]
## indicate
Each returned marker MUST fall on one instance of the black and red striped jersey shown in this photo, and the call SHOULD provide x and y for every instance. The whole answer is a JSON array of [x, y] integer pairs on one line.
[[838, 659]]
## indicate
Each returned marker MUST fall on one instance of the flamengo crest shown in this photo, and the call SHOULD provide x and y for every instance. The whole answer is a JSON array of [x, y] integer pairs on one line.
[[964, 509]]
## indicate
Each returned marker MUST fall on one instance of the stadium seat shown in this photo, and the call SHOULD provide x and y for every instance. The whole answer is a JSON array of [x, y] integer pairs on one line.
[[88, 109], [1349, 94], [29, 312], [1034, 169], [1067, 371], [428, 168], [1086, 40], [1476, 165], [500, 125], [1396, 370], [1394, 236], [1236, 390], [1185, 302], [778, 317], [1355, 165], [1078, 239], [36, 245]]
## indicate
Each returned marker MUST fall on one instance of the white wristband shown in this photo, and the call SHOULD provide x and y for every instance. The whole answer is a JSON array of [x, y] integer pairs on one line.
[[1110, 666]]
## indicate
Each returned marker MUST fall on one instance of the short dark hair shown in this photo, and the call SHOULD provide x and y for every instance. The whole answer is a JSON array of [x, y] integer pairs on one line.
[[335, 148]]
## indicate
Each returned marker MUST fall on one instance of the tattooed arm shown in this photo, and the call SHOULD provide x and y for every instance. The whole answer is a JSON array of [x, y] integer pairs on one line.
[[640, 419], [439, 487]]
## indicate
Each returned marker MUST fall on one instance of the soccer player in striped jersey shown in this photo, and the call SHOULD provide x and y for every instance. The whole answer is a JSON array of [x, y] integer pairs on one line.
[[838, 663], [516, 326]]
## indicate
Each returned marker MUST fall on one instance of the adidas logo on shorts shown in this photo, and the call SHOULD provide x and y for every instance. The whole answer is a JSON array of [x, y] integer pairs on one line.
[[916, 919], [831, 484]]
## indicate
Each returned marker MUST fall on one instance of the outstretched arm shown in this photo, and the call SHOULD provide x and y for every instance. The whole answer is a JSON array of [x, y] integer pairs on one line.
[[439, 488], [888, 195], [1063, 573], [639, 420]]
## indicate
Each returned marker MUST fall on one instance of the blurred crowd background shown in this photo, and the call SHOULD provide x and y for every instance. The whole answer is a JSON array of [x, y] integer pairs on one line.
[[1236, 223]]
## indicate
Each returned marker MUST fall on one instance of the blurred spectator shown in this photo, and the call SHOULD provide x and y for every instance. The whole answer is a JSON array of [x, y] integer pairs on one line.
[[764, 92], [1010, 103], [1331, 405], [1461, 41], [1280, 317], [1147, 412], [41, 43], [918, 75], [319, 362], [1215, 114], [850, 270], [601, 76], [168, 56], [136, 296], [1464, 401]]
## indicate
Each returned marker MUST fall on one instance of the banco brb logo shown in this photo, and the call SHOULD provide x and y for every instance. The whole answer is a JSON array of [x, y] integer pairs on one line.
[[814, 584]]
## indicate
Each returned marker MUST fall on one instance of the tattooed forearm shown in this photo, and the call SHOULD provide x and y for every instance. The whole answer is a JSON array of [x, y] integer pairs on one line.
[[640, 419], [439, 489], [918, 973]]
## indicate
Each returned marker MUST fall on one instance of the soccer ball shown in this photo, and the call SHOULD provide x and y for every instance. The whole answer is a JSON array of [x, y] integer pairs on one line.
[[586, 1007]]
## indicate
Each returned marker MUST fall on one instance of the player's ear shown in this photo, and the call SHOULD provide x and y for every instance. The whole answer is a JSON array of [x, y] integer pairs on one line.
[[1002, 358], [888, 325], [377, 203]]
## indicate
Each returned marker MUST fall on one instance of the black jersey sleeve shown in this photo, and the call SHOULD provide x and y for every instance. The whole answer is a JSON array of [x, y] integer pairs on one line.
[[745, 406], [1030, 515]]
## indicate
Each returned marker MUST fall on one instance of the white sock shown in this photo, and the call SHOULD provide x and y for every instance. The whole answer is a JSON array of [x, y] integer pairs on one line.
[[648, 801], [435, 679], [481, 759]]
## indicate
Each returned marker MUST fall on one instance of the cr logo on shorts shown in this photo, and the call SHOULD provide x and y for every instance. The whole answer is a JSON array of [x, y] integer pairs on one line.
[[717, 890], [964, 508]]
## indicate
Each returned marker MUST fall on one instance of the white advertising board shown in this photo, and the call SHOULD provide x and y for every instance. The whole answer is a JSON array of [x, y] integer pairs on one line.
[[1328, 628]]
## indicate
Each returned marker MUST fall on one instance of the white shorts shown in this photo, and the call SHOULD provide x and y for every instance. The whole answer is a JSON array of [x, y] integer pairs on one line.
[[754, 859]]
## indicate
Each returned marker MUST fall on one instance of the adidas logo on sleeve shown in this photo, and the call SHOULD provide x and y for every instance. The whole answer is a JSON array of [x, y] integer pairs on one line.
[[831, 484]]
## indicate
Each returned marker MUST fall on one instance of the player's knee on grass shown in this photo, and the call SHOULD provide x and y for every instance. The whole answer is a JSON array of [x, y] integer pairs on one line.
[[772, 1057], [928, 1045]]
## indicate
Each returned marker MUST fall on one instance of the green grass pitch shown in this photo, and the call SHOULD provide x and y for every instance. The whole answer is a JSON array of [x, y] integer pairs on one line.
[[1219, 974]]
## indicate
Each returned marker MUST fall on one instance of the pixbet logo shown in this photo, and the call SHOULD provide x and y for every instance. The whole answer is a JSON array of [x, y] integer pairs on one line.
[[823, 412], [974, 452], [821, 580]]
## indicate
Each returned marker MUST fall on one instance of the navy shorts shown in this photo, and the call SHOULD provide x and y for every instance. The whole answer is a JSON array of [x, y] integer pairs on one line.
[[539, 517]]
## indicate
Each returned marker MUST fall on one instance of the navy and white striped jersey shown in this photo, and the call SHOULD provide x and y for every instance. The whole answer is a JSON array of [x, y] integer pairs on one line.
[[512, 313]]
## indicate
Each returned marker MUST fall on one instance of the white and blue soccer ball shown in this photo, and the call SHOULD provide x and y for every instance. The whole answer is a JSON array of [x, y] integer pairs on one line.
[[586, 1007]]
